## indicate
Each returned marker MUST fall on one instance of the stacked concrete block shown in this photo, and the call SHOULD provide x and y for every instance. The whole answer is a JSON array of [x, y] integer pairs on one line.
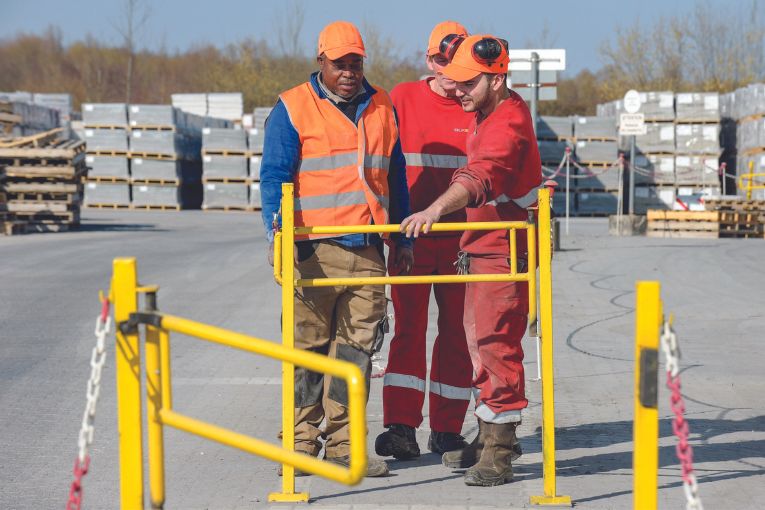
[[225, 159], [107, 135], [229, 106], [596, 152], [697, 107], [697, 139], [655, 169], [554, 128], [257, 133]]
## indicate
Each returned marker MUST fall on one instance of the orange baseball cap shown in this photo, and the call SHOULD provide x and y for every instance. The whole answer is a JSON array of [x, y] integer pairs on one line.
[[339, 39], [442, 30], [466, 63]]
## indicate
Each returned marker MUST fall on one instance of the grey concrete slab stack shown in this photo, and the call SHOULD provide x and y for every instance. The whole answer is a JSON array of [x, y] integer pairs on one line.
[[106, 132], [257, 133], [597, 152], [191, 103], [226, 105], [697, 144], [165, 145], [225, 172], [748, 110], [554, 136]]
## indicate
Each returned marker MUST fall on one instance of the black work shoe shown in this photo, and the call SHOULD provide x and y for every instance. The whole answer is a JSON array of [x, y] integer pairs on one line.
[[375, 467], [442, 442], [398, 441]]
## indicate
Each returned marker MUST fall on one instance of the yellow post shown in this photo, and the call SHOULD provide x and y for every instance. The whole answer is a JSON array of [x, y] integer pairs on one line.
[[153, 408], [288, 493], [751, 180], [648, 317], [546, 334], [128, 367], [531, 242]]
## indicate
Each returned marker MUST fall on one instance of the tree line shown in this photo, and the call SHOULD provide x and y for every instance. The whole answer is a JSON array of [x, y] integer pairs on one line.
[[706, 49]]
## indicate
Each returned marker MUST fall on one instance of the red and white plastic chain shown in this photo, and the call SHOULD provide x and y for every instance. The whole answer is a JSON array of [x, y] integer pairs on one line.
[[97, 359], [679, 424]]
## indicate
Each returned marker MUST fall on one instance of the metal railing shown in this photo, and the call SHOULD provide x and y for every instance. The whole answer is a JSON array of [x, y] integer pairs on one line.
[[159, 405], [753, 181], [284, 274]]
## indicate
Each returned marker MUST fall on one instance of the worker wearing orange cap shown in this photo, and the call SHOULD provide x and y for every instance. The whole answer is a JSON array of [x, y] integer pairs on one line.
[[336, 138], [499, 183], [433, 130]]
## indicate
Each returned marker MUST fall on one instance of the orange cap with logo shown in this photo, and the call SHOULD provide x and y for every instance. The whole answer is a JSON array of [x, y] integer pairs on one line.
[[339, 39], [442, 30], [477, 54]]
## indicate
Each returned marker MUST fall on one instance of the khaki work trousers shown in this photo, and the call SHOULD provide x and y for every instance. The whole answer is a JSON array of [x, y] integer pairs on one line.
[[341, 322]]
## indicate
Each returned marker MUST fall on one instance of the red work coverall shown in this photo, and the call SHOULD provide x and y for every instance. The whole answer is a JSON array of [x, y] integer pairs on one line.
[[433, 130], [502, 176]]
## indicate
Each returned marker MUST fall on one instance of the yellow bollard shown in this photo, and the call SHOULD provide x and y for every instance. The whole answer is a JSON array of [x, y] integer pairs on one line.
[[645, 459], [288, 493], [128, 367], [545, 315], [154, 406]]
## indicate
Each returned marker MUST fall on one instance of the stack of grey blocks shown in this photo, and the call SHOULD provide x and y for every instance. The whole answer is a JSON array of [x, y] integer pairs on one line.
[[554, 137], [680, 150], [144, 156], [597, 152], [231, 165], [39, 112], [743, 136]]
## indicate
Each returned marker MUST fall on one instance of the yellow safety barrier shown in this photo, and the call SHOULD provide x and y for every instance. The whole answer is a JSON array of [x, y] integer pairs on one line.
[[753, 181], [645, 460], [284, 274], [159, 394]]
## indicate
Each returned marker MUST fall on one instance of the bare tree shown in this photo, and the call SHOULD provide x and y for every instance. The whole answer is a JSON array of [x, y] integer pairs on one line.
[[135, 14], [289, 27]]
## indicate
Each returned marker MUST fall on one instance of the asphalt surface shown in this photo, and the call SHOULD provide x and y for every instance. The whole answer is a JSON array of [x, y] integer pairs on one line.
[[211, 267]]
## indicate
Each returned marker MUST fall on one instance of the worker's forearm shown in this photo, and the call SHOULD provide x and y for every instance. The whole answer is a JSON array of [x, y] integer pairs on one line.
[[453, 199]]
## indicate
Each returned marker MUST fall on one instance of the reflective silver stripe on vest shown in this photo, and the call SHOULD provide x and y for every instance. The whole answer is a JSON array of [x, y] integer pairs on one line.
[[342, 160], [489, 416], [328, 162], [435, 160], [335, 200], [523, 202], [377, 161], [450, 392], [404, 381]]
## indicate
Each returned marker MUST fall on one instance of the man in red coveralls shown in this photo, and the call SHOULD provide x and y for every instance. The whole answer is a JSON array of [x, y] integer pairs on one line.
[[433, 129], [498, 183]]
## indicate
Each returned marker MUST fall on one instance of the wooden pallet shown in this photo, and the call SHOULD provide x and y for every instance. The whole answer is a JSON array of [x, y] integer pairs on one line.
[[682, 224], [153, 155], [227, 180], [732, 204], [119, 154], [597, 139], [223, 152], [148, 182], [156, 207], [697, 121], [106, 206]]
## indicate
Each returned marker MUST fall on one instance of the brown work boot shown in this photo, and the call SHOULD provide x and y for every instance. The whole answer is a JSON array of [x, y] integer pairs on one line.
[[494, 467], [467, 457], [375, 467]]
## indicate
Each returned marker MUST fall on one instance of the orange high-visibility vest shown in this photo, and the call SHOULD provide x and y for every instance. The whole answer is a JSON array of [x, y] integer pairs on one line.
[[342, 178]]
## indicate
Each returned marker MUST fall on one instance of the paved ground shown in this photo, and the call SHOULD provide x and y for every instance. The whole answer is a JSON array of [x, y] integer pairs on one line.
[[211, 267]]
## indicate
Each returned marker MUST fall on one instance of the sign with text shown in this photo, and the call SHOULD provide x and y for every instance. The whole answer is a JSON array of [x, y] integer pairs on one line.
[[632, 124]]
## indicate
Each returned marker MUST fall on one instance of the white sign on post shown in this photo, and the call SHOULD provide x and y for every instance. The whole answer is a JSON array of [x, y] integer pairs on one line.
[[632, 101], [632, 124]]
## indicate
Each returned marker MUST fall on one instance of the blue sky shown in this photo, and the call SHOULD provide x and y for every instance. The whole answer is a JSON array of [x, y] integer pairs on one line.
[[579, 26]]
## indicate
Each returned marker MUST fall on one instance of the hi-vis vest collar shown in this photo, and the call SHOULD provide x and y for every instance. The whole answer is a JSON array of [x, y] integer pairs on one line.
[[342, 178]]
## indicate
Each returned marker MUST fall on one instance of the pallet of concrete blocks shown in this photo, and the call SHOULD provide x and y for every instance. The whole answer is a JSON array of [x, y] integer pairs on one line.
[[226, 105], [697, 107], [739, 218], [554, 136], [106, 133], [596, 150], [226, 194], [41, 180], [19, 118], [654, 169], [224, 153]]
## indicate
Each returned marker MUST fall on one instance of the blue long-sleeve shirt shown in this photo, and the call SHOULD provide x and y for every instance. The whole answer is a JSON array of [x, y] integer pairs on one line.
[[281, 158]]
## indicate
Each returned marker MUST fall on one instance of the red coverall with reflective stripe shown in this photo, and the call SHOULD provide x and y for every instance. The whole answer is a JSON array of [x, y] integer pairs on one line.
[[502, 175], [433, 130]]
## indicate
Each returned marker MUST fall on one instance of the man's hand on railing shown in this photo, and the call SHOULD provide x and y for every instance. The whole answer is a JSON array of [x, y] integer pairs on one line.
[[422, 220]]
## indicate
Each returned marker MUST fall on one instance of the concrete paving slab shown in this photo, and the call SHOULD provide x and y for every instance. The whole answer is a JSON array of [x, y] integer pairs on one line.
[[211, 267]]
